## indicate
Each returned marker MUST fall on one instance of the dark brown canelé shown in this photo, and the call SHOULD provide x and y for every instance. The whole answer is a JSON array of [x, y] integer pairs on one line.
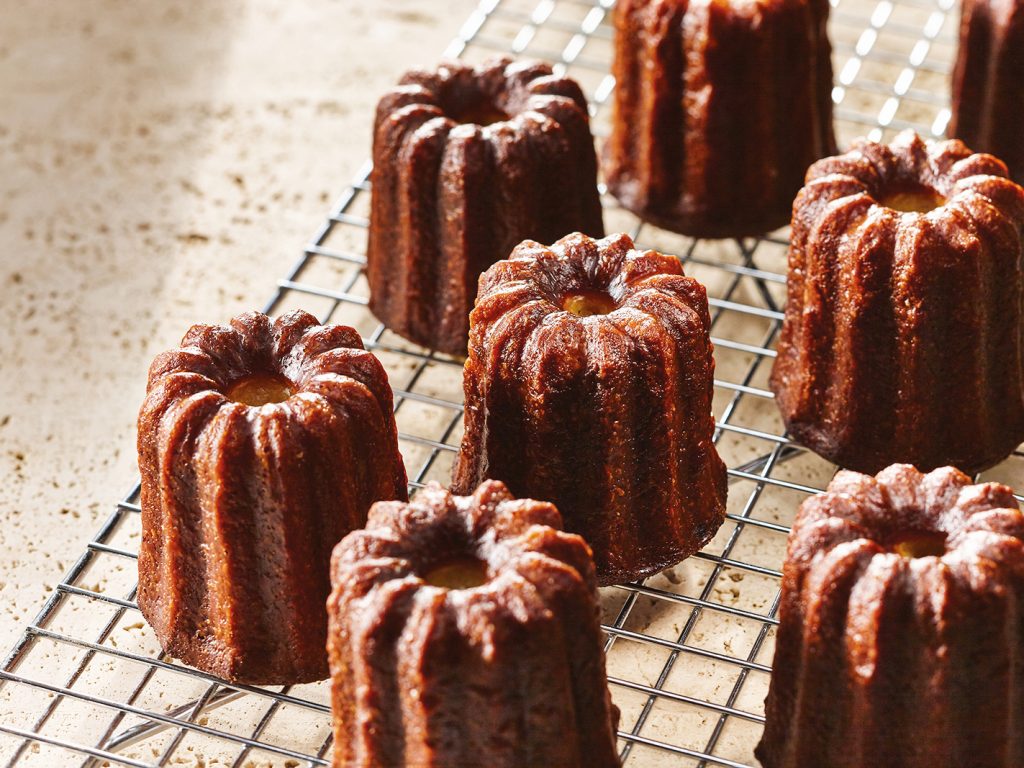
[[465, 631], [589, 384], [260, 445], [719, 108], [988, 81], [902, 339], [467, 162], [900, 627]]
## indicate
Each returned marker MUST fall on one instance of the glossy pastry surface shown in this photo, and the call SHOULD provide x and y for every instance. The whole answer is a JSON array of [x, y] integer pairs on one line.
[[902, 338], [261, 444], [719, 107], [468, 161], [589, 383], [465, 631], [900, 627]]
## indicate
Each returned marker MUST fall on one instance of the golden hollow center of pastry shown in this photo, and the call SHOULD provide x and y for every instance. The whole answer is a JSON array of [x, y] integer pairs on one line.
[[912, 198], [260, 389], [459, 572], [914, 544], [480, 112], [588, 303]]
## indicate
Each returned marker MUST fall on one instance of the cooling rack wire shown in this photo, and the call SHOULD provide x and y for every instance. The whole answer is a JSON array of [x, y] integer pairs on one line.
[[689, 651]]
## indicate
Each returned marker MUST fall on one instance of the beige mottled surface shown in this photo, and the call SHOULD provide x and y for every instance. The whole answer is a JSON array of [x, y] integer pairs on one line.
[[160, 164]]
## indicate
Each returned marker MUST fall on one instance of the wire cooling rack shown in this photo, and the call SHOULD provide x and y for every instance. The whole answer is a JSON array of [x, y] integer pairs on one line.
[[689, 651]]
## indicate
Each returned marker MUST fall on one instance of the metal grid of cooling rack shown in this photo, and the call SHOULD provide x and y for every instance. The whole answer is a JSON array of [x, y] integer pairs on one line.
[[689, 651]]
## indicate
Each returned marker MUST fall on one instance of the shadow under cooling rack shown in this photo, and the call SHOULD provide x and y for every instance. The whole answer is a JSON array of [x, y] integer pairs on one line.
[[689, 651]]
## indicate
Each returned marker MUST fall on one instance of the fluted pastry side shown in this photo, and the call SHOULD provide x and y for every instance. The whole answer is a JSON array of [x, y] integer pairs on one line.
[[988, 81], [607, 415], [509, 672], [902, 338], [242, 504], [888, 659], [719, 107], [468, 161]]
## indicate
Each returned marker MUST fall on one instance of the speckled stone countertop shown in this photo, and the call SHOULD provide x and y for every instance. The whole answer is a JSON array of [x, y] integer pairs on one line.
[[160, 164]]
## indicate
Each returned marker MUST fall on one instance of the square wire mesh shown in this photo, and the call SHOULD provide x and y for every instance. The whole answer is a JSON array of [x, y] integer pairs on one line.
[[689, 651]]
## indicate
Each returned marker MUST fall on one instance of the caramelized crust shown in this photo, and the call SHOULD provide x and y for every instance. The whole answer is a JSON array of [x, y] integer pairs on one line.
[[719, 108], [453, 192], [988, 81], [606, 415], [508, 674], [888, 660], [242, 504], [902, 338]]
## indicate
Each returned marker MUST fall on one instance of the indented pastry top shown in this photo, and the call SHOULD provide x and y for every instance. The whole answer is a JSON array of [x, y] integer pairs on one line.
[[579, 282], [513, 552], [902, 512], [888, 180], [288, 365], [500, 95]]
